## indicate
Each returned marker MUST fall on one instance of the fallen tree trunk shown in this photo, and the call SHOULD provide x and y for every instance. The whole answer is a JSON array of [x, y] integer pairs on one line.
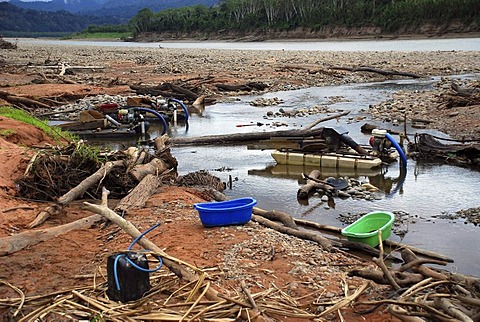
[[139, 195], [375, 70], [404, 279], [155, 91], [290, 228], [156, 166], [243, 137], [191, 96], [20, 241], [408, 256], [312, 183], [83, 186], [242, 87], [276, 215]]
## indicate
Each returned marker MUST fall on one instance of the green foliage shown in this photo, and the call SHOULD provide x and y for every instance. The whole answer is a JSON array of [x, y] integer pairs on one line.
[[88, 153], [30, 34], [255, 15], [24, 117], [100, 35], [18, 20], [103, 32], [247, 16]]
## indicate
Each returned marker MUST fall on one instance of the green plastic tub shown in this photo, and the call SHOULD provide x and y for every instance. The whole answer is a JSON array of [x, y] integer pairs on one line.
[[365, 229]]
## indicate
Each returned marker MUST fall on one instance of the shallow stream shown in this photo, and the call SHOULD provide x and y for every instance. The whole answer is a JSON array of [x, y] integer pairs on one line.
[[428, 190]]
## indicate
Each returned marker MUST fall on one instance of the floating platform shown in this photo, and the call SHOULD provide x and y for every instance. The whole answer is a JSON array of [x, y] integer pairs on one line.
[[327, 159]]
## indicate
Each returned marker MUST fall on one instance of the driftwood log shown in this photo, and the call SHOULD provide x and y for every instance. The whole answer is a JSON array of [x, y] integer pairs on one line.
[[156, 166], [188, 94], [63, 68], [322, 241], [377, 71], [19, 241], [440, 258], [281, 216], [243, 137], [312, 183], [155, 91], [461, 96], [139, 195], [242, 87], [135, 199], [288, 225], [308, 131], [438, 292], [166, 90], [428, 147]]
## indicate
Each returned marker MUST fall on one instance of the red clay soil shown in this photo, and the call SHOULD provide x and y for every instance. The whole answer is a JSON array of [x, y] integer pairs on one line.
[[69, 260]]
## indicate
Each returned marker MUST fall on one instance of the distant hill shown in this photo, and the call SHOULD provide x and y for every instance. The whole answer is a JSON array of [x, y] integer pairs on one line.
[[123, 9], [19, 20], [75, 15]]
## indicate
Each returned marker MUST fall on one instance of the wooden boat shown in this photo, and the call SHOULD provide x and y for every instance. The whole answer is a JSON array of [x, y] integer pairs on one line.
[[326, 159]]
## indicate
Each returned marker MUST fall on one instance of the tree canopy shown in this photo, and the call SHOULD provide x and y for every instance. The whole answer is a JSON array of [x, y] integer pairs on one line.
[[280, 15]]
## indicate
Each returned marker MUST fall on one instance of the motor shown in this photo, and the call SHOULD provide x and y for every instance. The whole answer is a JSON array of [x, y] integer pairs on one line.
[[127, 115], [382, 141], [379, 142], [128, 272]]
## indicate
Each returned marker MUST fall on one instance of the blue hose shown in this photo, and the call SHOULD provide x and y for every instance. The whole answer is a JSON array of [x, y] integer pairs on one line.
[[164, 123], [398, 148], [115, 263], [183, 106]]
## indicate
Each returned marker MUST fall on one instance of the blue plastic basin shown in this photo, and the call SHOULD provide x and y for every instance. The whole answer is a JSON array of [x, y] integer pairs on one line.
[[224, 213]]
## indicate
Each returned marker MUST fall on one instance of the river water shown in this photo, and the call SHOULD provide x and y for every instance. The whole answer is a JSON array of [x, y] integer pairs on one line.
[[446, 44], [428, 189]]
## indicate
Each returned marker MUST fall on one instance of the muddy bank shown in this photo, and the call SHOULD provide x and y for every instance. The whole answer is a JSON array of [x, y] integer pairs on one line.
[[453, 30]]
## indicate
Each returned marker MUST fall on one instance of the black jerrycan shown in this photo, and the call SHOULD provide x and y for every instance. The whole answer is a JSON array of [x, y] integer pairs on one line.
[[125, 281]]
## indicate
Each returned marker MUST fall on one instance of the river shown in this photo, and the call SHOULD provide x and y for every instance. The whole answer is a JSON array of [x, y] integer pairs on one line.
[[428, 190], [425, 193], [440, 44]]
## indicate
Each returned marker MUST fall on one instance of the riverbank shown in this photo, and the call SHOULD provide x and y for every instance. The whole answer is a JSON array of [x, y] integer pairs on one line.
[[202, 70], [263, 258]]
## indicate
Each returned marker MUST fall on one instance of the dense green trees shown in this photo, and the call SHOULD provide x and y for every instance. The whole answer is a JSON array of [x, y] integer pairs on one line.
[[254, 15]]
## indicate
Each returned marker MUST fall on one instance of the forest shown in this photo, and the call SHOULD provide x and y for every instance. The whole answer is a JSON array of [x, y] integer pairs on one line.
[[15, 21], [235, 18], [284, 15]]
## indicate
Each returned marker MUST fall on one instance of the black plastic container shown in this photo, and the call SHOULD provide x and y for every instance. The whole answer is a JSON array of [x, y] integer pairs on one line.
[[133, 282]]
